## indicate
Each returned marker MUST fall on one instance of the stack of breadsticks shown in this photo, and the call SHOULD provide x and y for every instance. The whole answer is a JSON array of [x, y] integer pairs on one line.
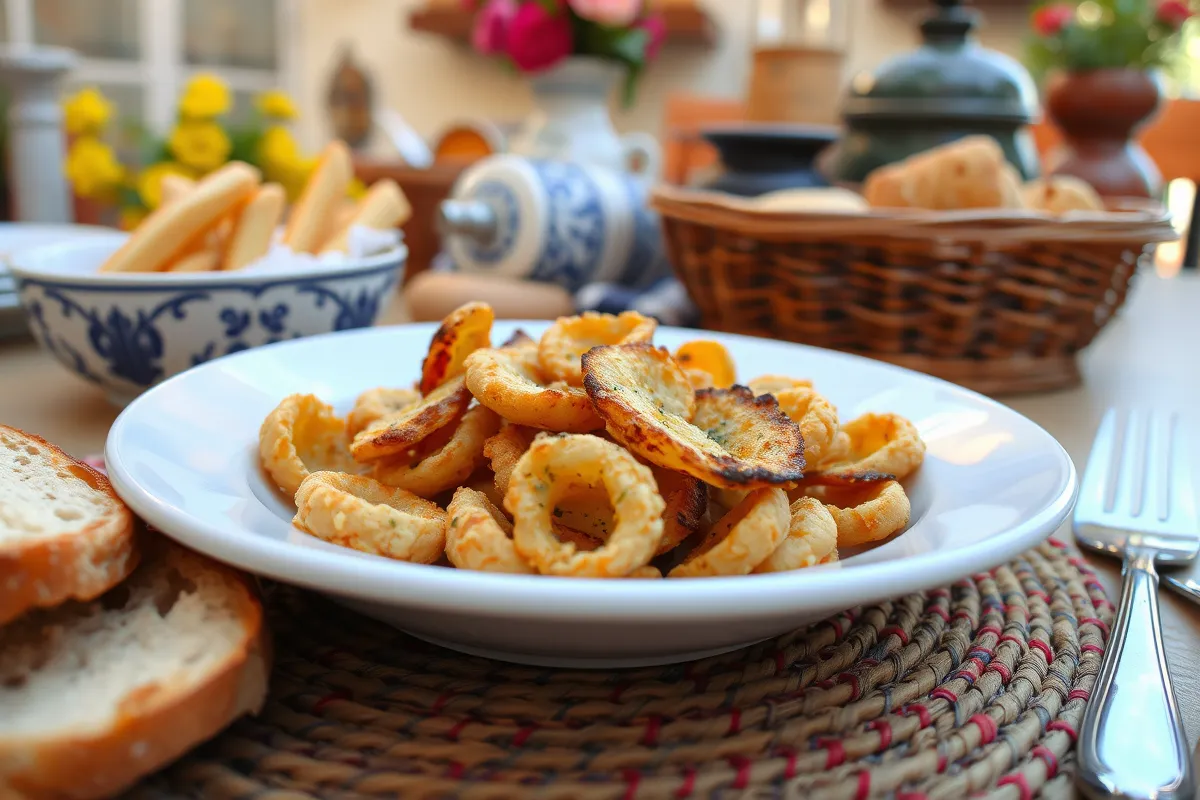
[[228, 219]]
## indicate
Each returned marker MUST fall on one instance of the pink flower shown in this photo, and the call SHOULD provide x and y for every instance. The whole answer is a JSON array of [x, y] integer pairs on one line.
[[537, 38], [490, 34], [1173, 13], [656, 32], [617, 13], [1050, 20]]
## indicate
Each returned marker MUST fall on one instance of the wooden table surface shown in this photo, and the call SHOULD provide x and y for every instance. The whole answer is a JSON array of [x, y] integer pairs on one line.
[[1149, 356]]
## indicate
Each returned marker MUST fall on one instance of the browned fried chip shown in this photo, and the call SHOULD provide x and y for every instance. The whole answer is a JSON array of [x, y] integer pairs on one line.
[[395, 433], [463, 331], [509, 381], [445, 459], [734, 440], [687, 500], [379, 402]]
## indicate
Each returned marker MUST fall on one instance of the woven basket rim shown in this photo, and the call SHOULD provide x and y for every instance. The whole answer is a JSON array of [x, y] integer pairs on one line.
[[1129, 220]]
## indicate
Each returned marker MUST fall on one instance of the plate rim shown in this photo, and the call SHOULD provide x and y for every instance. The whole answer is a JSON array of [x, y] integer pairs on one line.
[[380, 580]]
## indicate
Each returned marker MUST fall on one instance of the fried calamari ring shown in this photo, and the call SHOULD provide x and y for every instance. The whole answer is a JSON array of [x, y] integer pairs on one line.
[[816, 417], [772, 384], [742, 539], [393, 434], [699, 379], [509, 382], [302, 435], [879, 444], [464, 330], [812, 536], [569, 338], [379, 402], [734, 440], [505, 449], [534, 490], [443, 460], [866, 513], [479, 536], [363, 514], [710, 358]]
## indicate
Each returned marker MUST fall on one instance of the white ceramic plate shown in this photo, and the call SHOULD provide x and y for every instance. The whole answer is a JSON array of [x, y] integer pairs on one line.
[[184, 456]]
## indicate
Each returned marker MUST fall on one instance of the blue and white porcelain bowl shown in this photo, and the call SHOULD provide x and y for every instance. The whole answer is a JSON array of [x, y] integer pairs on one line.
[[128, 332]]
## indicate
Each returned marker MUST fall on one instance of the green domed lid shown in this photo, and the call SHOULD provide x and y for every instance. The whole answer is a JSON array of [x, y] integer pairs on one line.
[[949, 77]]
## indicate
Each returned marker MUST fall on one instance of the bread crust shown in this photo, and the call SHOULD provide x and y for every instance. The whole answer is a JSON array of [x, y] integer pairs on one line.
[[154, 724], [81, 565]]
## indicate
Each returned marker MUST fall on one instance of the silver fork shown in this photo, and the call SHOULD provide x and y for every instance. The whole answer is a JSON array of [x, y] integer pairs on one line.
[[1136, 502]]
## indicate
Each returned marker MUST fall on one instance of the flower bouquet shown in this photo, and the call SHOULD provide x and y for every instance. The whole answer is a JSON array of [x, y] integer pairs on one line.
[[201, 140], [1106, 34], [535, 35]]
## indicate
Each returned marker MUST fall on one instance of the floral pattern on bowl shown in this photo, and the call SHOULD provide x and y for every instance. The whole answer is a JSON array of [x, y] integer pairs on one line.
[[129, 332]]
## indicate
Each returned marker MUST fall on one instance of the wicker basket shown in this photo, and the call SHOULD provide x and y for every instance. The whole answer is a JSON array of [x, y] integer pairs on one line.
[[1000, 302]]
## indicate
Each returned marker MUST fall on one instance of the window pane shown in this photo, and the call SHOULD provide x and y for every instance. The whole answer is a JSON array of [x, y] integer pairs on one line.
[[230, 33], [94, 28]]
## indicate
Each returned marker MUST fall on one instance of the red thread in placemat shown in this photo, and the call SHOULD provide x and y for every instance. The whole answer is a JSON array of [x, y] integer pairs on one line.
[[522, 736], [863, 790], [650, 735], [911, 796], [835, 753], [455, 770], [742, 764], [632, 779], [1056, 542], [847, 677], [789, 769], [894, 630], [941, 761], [780, 662], [1018, 780], [998, 666], [836, 625], [1043, 648], [735, 721], [941, 612], [689, 783], [618, 690], [945, 694], [884, 729], [1047, 755], [340, 694], [1091, 648], [987, 727], [1060, 725], [1099, 623], [922, 714], [1008, 637], [457, 729], [1079, 694], [992, 629]]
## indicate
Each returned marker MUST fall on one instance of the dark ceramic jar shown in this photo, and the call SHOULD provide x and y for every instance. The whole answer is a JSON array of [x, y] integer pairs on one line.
[[949, 88], [761, 158]]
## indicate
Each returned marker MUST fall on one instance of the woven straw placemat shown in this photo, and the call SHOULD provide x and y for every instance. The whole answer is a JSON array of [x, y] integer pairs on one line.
[[976, 688]]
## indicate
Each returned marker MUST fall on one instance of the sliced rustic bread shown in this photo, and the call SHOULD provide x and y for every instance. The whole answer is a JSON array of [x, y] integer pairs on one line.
[[93, 696], [64, 533]]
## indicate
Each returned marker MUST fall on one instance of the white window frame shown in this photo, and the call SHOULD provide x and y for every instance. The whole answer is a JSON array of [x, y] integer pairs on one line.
[[161, 70]]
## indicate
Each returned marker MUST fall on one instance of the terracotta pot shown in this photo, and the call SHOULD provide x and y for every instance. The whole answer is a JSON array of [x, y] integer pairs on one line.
[[1099, 112]]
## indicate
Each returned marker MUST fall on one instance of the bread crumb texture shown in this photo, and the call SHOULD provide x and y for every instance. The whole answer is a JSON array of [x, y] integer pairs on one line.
[[147, 641]]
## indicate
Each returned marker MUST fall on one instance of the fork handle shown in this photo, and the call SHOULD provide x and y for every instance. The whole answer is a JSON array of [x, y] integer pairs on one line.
[[1131, 744]]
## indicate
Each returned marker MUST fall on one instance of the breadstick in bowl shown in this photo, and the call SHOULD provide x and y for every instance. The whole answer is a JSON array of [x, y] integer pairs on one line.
[[309, 221], [383, 207], [168, 231], [251, 237]]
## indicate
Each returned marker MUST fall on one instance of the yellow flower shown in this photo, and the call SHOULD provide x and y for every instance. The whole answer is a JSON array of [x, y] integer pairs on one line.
[[277, 150], [201, 145], [275, 104], [204, 97], [93, 169], [131, 217], [86, 112], [149, 183]]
